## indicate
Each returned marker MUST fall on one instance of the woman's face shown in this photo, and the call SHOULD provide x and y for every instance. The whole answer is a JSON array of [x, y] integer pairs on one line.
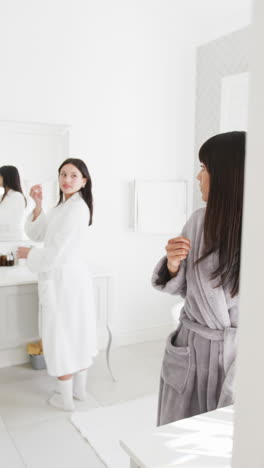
[[71, 180], [204, 179], [1, 181]]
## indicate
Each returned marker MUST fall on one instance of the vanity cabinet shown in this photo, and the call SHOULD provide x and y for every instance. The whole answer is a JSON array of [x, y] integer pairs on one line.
[[19, 315], [18, 322]]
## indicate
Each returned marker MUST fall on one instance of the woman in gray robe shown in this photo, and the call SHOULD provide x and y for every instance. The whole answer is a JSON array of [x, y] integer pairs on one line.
[[202, 265]]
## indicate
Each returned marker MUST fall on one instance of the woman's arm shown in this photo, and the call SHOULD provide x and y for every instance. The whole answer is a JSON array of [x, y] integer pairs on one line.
[[170, 273], [162, 280], [35, 226], [36, 213]]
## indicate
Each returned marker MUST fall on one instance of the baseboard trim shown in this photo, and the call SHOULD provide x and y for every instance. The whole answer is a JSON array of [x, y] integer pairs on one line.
[[13, 356], [18, 355], [126, 337]]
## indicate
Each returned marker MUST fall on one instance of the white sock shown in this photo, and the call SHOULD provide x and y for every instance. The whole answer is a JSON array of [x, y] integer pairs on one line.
[[79, 385], [63, 400]]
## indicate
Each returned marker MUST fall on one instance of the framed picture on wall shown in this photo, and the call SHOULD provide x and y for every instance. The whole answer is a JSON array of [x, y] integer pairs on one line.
[[160, 206], [234, 102]]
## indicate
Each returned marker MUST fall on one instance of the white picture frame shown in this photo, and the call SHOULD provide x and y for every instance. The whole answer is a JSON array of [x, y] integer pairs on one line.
[[160, 206]]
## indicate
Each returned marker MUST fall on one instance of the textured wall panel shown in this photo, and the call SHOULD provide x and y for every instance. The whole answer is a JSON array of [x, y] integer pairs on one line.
[[216, 59]]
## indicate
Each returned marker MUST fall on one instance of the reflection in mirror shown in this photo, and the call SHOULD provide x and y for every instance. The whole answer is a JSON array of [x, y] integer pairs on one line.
[[12, 205], [30, 154]]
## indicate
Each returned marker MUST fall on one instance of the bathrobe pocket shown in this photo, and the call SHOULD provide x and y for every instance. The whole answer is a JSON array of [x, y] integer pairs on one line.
[[176, 365]]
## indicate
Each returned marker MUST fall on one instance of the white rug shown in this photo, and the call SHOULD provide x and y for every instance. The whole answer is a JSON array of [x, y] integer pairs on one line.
[[104, 427]]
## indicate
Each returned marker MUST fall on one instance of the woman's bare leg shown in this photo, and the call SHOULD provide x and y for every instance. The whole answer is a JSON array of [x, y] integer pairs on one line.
[[65, 377]]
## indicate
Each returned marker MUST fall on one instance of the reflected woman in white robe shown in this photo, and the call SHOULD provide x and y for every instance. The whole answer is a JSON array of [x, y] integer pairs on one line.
[[67, 312], [12, 205]]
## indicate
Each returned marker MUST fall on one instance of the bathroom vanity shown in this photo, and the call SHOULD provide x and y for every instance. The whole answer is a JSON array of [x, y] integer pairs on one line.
[[19, 312]]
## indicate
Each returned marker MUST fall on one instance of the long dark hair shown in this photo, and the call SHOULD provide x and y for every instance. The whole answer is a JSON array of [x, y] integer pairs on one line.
[[85, 192], [11, 180], [224, 158]]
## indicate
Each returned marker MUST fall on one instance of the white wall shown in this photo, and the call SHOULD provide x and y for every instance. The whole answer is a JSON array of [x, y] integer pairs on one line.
[[248, 441], [122, 73], [211, 19]]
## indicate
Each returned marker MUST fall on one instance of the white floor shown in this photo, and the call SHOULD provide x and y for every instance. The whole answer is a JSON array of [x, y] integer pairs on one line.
[[35, 435]]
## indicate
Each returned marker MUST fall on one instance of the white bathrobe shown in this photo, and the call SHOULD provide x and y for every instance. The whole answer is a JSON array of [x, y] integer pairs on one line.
[[12, 211], [67, 318]]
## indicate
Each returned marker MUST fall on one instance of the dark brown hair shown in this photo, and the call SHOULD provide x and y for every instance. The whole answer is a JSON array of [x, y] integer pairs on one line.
[[11, 180], [85, 192], [224, 158]]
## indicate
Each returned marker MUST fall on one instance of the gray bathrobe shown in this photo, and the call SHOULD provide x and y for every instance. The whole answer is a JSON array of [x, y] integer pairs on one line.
[[197, 372]]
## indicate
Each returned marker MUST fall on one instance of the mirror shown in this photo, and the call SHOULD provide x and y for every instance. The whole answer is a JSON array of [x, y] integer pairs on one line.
[[35, 150]]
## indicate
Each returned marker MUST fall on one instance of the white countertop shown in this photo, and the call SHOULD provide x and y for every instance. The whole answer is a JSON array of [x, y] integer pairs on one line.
[[203, 441], [16, 275], [20, 275]]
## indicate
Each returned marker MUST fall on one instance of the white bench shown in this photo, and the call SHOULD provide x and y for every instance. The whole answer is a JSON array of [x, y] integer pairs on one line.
[[203, 441]]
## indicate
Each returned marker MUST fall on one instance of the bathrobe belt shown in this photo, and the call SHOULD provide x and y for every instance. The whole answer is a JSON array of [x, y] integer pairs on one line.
[[227, 335], [206, 332]]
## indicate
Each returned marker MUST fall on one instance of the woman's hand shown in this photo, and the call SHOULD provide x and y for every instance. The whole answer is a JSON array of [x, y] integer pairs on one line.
[[177, 250], [22, 252], [36, 194]]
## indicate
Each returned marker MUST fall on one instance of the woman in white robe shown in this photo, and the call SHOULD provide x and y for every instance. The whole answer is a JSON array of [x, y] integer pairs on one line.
[[67, 311], [12, 205]]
